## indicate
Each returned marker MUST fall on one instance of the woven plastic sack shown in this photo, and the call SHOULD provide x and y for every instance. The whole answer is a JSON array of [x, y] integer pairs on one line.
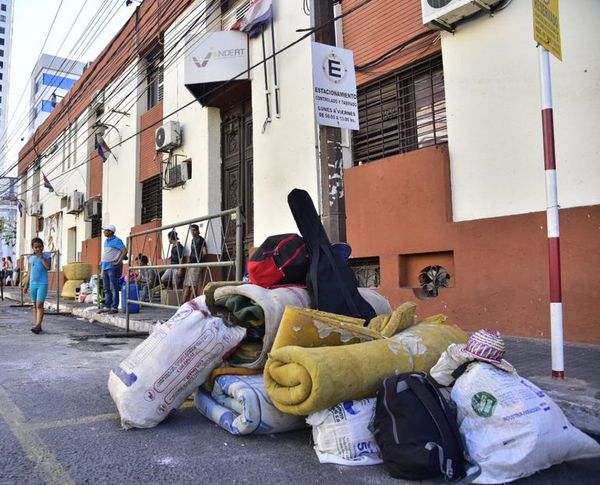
[[511, 427], [170, 364], [343, 434]]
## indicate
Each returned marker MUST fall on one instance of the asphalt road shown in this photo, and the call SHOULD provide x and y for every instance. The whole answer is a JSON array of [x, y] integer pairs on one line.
[[58, 424]]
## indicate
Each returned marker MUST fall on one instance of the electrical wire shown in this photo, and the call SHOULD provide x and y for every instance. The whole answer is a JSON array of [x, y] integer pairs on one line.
[[258, 64]]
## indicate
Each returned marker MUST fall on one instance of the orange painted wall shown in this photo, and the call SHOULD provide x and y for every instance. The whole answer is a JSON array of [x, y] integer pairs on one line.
[[398, 209], [150, 160], [91, 252]]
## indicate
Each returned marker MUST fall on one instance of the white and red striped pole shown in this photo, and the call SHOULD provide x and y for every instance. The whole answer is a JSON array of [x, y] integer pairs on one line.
[[556, 310]]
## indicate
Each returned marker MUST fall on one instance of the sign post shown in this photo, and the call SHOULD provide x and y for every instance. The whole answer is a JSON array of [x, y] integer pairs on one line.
[[546, 32]]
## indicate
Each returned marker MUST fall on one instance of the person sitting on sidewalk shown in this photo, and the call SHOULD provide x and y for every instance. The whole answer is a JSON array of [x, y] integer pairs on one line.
[[148, 278], [112, 268]]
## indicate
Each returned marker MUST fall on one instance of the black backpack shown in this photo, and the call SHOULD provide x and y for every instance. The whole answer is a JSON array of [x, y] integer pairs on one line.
[[416, 430], [330, 281], [279, 260]]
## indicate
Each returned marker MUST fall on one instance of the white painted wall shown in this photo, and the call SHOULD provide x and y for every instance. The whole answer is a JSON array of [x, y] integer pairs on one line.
[[119, 182], [285, 154], [493, 107]]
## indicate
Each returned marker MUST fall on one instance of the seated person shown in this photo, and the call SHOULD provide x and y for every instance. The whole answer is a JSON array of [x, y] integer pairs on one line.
[[147, 279]]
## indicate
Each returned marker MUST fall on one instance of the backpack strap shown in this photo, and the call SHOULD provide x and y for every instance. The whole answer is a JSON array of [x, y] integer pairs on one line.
[[447, 427]]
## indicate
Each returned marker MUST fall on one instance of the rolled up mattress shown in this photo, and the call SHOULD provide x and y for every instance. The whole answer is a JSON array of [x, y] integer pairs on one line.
[[303, 381], [240, 405]]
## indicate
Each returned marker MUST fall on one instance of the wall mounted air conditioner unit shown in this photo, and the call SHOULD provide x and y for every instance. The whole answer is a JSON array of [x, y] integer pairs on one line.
[[177, 174], [168, 136], [36, 209], [442, 14], [92, 209], [75, 203]]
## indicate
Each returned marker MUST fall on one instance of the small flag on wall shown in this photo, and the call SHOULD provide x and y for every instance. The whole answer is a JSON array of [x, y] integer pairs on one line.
[[47, 183], [20, 207], [102, 148], [259, 13]]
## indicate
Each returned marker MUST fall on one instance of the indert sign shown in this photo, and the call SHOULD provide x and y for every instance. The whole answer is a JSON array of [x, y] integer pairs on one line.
[[334, 85], [218, 56]]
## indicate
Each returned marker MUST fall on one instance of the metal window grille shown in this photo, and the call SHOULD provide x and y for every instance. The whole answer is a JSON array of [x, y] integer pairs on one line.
[[96, 227], [401, 112], [155, 78], [152, 199], [367, 271]]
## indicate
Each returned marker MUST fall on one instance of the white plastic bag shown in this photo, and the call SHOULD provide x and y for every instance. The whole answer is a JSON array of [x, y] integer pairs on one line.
[[170, 364], [512, 428], [342, 434]]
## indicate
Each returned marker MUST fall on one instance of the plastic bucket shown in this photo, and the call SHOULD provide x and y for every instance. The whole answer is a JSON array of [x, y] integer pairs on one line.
[[133, 295]]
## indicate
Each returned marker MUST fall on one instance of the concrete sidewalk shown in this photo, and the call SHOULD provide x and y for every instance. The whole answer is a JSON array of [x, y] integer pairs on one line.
[[578, 394]]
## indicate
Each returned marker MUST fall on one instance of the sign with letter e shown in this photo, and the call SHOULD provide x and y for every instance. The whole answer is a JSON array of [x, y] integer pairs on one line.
[[546, 26], [334, 85]]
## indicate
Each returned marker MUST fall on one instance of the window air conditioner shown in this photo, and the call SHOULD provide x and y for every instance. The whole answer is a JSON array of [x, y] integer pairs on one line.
[[168, 136], [442, 14], [92, 209], [177, 174], [75, 203], [36, 209]]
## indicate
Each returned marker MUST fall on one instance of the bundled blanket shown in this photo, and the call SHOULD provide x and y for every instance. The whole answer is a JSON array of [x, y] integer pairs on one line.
[[302, 381], [271, 303], [240, 405]]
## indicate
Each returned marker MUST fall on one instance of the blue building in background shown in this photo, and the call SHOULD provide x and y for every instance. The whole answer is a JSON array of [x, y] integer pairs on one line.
[[53, 77]]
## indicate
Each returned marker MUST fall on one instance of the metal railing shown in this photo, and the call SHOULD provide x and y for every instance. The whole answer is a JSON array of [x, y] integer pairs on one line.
[[217, 234], [24, 264]]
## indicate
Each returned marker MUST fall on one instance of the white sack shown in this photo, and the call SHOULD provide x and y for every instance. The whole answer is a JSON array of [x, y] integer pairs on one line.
[[511, 427], [343, 433], [170, 364]]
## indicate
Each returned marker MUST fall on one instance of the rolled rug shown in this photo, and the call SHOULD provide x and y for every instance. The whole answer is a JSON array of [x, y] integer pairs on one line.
[[302, 381], [240, 405]]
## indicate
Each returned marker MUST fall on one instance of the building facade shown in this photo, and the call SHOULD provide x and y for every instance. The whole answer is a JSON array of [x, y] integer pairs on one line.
[[6, 23], [444, 182], [52, 79]]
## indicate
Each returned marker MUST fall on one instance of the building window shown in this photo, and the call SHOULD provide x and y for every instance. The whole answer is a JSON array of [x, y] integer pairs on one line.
[[154, 77], [57, 81], [1, 41], [1, 64], [152, 199], [2, 18], [46, 106], [2, 52], [402, 112], [3, 7], [96, 227], [2, 30], [1, 75]]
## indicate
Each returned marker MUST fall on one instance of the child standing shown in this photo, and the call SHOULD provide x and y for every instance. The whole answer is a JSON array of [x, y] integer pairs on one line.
[[39, 264]]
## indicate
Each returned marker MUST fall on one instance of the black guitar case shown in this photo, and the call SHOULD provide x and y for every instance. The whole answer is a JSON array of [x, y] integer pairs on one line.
[[330, 281]]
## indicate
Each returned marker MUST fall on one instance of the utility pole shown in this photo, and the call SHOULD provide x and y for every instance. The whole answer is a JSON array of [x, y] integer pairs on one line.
[[330, 144]]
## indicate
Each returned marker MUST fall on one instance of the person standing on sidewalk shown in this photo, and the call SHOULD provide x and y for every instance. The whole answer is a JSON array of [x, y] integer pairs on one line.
[[198, 254], [39, 264], [112, 267]]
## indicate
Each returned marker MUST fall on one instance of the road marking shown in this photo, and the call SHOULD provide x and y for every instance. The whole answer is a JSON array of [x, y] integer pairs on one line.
[[87, 419], [47, 466]]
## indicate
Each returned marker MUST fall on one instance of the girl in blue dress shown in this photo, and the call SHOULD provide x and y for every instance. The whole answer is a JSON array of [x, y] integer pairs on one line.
[[39, 264]]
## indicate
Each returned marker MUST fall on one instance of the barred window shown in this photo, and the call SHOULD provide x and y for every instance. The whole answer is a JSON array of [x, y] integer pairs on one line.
[[96, 227], [152, 199], [401, 112], [155, 77]]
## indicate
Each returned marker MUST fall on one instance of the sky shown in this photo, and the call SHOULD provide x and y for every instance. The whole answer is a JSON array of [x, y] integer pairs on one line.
[[68, 38]]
